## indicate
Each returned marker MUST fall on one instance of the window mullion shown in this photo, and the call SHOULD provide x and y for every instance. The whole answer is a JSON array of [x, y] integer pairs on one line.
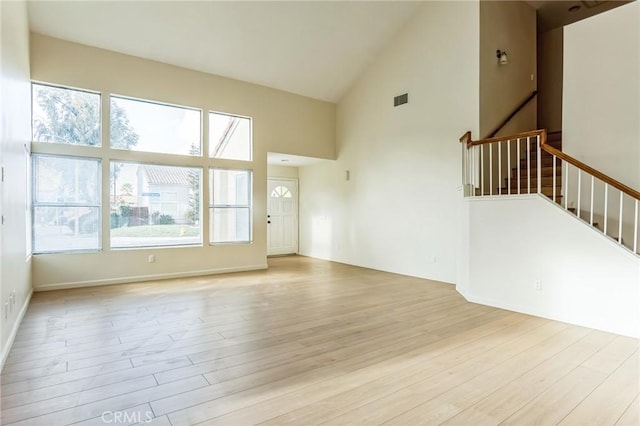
[[105, 181]]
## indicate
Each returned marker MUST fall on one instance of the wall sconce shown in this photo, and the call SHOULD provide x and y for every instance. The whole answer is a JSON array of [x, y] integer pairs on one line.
[[502, 57]]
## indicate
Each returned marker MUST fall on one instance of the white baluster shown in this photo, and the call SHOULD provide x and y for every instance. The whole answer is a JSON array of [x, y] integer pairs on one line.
[[528, 165], [519, 168], [470, 168], [591, 205], [490, 169], [499, 168], [465, 164], [509, 166], [620, 218], [579, 191], [554, 178], [565, 191], [635, 230], [539, 168], [481, 147], [606, 207], [474, 169]]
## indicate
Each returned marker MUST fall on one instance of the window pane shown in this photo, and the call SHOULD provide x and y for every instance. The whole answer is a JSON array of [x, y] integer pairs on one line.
[[230, 225], [230, 212], [229, 137], [152, 127], [66, 180], [66, 229], [154, 205], [66, 204], [230, 187], [65, 116]]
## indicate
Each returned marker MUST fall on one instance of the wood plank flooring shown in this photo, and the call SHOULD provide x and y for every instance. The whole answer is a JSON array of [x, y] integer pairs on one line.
[[307, 342]]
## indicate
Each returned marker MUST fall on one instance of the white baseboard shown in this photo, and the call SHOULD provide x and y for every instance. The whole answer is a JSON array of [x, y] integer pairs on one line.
[[140, 278], [14, 330], [536, 313]]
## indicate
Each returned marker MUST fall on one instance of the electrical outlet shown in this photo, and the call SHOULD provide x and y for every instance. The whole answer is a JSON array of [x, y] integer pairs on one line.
[[152, 258], [538, 285]]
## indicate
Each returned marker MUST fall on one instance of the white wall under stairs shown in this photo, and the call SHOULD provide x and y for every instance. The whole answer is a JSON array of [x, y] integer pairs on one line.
[[584, 278]]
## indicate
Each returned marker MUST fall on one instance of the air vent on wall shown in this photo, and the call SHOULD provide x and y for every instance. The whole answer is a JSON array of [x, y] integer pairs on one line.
[[400, 100]]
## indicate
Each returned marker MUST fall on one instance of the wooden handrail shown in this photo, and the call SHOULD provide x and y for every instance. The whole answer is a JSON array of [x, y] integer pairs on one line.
[[579, 164], [513, 114], [466, 138], [504, 138]]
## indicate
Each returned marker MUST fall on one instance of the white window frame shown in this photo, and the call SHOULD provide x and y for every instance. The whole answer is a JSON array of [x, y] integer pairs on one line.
[[36, 204], [77, 89], [208, 137], [167, 104], [106, 154], [249, 206]]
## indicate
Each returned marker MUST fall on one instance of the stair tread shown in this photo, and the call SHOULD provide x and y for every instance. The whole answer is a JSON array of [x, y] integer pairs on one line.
[[533, 178], [544, 170], [545, 159], [548, 191]]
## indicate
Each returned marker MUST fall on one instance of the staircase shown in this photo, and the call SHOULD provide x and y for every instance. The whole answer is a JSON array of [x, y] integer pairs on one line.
[[607, 205], [530, 185], [554, 139]]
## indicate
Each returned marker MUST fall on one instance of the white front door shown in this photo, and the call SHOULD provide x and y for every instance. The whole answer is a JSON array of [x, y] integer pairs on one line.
[[282, 216]]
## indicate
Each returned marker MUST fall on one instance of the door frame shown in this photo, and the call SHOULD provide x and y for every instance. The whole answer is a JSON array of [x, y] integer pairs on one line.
[[297, 211]]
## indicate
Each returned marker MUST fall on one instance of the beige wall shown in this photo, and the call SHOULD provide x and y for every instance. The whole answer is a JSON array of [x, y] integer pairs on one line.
[[282, 172], [397, 211], [550, 80], [15, 116], [601, 102], [282, 122], [601, 109], [508, 26]]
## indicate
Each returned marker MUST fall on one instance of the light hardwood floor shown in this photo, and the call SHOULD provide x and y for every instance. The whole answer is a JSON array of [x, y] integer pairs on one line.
[[308, 342]]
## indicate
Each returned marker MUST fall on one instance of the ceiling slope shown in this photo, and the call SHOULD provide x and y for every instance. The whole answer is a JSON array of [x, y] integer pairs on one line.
[[312, 48]]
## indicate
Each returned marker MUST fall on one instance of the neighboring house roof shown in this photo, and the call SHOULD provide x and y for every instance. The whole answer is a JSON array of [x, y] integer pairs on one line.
[[166, 175]]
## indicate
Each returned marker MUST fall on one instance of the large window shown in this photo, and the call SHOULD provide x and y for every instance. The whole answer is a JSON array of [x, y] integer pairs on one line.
[[66, 204], [144, 184], [151, 127], [229, 137], [154, 205], [230, 209], [65, 116]]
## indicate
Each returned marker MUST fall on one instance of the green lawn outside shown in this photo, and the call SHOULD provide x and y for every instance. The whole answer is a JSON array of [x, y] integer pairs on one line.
[[156, 231]]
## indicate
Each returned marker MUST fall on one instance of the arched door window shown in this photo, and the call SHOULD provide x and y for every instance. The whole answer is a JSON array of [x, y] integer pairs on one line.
[[281, 192]]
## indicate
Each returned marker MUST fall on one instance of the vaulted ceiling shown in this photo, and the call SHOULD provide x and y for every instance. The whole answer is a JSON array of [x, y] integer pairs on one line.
[[312, 48]]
